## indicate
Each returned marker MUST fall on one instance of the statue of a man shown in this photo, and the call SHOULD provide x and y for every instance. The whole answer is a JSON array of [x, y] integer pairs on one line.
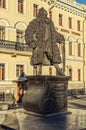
[[42, 37]]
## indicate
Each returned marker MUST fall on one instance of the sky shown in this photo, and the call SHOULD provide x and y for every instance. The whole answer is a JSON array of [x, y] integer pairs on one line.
[[81, 1]]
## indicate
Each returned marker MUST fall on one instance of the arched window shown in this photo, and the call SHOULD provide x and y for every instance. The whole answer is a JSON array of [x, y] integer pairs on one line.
[[79, 50], [20, 36], [20, 32], [70, 73], [70, 48], [2, 33]]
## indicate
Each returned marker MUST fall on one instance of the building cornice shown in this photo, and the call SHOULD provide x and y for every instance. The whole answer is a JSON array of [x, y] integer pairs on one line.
[[15, 53], [69, 7]]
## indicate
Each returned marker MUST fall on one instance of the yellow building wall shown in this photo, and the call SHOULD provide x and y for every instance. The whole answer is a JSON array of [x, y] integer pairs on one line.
[[12, 20]]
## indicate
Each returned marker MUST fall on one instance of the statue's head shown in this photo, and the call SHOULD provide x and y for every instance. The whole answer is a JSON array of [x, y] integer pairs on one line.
[[42, 13]]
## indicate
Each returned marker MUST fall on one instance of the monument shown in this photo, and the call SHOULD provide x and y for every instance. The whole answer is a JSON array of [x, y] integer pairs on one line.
[[45, 94]]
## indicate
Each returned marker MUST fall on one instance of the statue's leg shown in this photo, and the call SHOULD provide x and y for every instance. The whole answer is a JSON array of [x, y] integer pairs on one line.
[[58, 71], [39, 69]]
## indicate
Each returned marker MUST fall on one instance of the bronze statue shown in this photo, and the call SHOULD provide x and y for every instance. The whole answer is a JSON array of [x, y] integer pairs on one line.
[[42, 37]]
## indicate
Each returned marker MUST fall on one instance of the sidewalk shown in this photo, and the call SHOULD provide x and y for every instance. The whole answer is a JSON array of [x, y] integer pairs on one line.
[[77, 96], [18, 120], [75, 119], [2, 116]]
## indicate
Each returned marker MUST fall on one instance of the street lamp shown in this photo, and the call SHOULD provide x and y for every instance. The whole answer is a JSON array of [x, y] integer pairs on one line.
[[52, 3], [84, 52]]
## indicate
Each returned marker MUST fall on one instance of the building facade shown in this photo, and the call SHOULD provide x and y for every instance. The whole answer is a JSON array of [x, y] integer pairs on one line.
[[69, 18]]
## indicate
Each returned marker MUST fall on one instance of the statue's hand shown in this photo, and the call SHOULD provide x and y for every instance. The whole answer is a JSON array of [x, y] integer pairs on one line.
[[60, 38], [33, 44]]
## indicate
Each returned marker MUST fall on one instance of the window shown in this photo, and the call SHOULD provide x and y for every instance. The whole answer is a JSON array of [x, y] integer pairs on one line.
[[35, 10], [70, 73], [78, 25], [19, 70], [70, 48], [50, 71], [35, 70], [21, 6], [20, 36], [60, 47], [79, 49], [3, 3], [60, 19], [2, 33], [2, 71], [79, 74], [50, 15], [70, 22]]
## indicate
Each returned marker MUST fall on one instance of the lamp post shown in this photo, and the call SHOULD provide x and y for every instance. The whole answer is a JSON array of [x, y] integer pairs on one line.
[[52, 4], [84, 52]]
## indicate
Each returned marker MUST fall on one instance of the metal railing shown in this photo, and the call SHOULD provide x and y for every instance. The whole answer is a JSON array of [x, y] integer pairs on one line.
[[14, 45]]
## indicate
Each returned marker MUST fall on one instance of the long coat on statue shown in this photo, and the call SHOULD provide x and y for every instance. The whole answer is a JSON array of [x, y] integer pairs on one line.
[[41, 35]]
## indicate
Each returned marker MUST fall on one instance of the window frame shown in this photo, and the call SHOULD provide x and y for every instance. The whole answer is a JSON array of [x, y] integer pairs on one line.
[[35, 10], [70, 48], [35, 70], [50, 15], [20, 6], [50, 71], [20, 33], [79, 74], [70, 73], [2, 70], [3, 3], [60, 19], [2, 33], [70, 22], [78, 25], [19, 69], [79, 50]]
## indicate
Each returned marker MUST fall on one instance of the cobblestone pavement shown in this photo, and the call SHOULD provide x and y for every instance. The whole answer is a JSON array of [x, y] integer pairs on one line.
[[75, 119]]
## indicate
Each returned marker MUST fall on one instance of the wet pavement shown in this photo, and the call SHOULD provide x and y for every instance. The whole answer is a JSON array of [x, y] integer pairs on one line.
[[74, 119]]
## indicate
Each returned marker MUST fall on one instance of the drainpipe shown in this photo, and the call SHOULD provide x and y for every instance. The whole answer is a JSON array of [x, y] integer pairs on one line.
[[84, 55], [63, 53]]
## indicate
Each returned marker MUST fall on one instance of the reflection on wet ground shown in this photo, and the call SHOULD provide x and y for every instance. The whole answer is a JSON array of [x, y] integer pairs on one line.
[[75, 119], [77, 103]]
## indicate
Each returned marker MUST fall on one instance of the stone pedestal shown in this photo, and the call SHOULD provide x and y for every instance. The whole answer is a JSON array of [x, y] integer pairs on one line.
[[46, 94]]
